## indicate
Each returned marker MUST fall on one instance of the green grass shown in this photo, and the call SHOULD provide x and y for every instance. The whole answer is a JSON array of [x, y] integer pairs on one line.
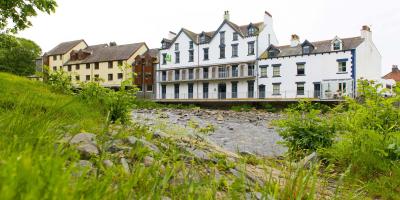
[[36, 164]]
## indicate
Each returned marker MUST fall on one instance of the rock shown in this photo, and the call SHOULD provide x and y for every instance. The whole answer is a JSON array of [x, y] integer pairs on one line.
[[230, 128], [159, 134], [131, 139], [117, 146], [163, 115], [83, 166], [246, 153], [125, 165], [83, 138], [199, 154], [220, 118], [108, 163], [148, 161], [87, 150], [134, 140], [165, 198], [306, 161], [255, 195]]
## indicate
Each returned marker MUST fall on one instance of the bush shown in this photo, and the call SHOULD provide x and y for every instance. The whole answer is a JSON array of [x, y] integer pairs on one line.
[[59, 82]]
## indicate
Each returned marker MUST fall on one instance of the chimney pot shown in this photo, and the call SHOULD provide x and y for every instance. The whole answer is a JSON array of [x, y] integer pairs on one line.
[[395, 68], [226, 15], [295, 40]]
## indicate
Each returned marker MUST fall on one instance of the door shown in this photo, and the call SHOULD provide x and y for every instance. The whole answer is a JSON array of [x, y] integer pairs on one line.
[[190, 90], [222, 91], [250, 89], [317, 90], [163, 91], [261, 90]]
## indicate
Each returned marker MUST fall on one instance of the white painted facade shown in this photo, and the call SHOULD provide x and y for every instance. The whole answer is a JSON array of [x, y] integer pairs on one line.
[[220, 82]]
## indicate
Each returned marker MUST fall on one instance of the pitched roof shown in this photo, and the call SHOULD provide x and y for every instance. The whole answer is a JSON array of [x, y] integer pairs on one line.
[[104, 53], [394, 74], [153, 52], [319, 47], [64, 47]]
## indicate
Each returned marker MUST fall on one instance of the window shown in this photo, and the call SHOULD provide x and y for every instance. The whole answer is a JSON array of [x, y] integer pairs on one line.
[[96, 77], [110, 77], [306, 50], [222, 38], [234, 90], [272, 53], [69, 68], [164, 58], [276, 70], [120, 76], [87, 77], [163, 75], [205, 73], [190, 90], [342, 87], [191, 55], [177, 72], [77, 67], [235, 71], [177, 57], [149, 88], [164, 45], [205, 53], [264, 72], [234, 50], [176, 91], [250, 69], [120, 63], [250, 48], [176, 46], [235, 36], [342, 66], [77, 78], [54, 57], [252, 31], [205, 90], [96, 65], [222, 52], [60, 57], [54, 68], [110, 65], [61, 67], [163, 91], [337, 45], [87, 66], [300, 69], [222, 72], [300, 88], [250, 89], [276, 89], [202, 39], [191, 45], [190, 74]]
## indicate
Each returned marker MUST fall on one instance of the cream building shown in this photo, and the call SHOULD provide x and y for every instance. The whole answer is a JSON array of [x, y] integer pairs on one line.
[[98, 62]]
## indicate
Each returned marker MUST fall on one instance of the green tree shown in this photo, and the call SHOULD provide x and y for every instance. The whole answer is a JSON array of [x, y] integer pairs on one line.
[[15, 14], [17, 55]]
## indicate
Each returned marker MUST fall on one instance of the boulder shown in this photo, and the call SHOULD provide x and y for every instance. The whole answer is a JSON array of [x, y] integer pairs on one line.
[[83, 138], [87, 150], [125, 165], [108, 163], [86, 144]]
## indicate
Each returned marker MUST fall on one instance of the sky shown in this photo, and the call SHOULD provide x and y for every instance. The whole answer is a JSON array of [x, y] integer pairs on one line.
[[129, 21]]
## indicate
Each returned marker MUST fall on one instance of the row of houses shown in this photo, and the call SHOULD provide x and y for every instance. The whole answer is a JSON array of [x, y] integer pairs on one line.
[[232, 62]]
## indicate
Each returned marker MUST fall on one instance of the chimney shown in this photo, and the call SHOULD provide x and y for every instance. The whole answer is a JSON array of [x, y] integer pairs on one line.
[[268, 19], [171, 35], [295, 41], [226, 15], [113, 44], [395, 68], [366, 32]]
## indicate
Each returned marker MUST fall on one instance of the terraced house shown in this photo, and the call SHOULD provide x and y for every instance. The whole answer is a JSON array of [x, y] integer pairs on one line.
[[98, 62], [246, 63], [218, 64]]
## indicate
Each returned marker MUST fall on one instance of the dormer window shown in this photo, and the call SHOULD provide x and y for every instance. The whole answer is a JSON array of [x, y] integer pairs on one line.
[[337, 44], [272, 51], [307, 47], [165, 44], [252, 31], [203, 38]]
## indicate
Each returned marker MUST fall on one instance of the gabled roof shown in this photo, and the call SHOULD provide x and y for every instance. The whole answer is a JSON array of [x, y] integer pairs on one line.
[[394, 75], [101, 53], [64, 47], [307, 43], [319, 47]]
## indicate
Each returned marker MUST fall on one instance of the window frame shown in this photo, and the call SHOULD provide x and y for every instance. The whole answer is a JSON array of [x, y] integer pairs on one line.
[[299, 69], [274, 71], [276, 91], [112, 77], [206, 51], [300, 85], [235, 36], [235, 50], [264, 71], [250, 48]]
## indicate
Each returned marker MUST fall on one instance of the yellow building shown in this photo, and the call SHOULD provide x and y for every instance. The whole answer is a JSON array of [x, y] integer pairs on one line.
[[98, 62]]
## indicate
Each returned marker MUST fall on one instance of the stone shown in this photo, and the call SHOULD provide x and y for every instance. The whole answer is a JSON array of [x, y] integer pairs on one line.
[[159, 134], [108, 163], [220, 118], [163, 116], [306, 161], [87, 150], [83, 166], [199, 154], [246, 153], [134, 140], [83, 138], [125, 165], [148, 161]]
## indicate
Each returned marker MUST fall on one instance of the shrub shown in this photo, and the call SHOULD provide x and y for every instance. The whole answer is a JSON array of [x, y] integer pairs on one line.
[[59, 82]]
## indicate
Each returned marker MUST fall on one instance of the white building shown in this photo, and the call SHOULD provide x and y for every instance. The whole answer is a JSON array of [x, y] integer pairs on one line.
[[213, 65], [245, 62], [324, 69]]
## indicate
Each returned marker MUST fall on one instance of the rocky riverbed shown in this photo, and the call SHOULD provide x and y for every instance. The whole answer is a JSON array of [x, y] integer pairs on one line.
[[243, 132]]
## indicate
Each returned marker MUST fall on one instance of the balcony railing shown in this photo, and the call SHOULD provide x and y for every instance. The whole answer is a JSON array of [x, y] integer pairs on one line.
[[220, 76]]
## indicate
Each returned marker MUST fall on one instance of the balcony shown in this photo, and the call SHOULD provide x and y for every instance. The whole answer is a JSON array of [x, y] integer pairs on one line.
[[219, 76]]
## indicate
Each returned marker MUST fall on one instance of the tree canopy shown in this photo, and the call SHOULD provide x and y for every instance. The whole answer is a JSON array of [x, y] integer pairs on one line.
[[15, 14], [17, 55]]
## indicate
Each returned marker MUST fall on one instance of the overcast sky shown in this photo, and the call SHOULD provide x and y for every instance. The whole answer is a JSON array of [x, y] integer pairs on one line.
[[127, 21]]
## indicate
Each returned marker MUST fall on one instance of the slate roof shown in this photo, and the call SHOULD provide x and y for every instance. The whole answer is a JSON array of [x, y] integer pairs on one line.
[[153, 52], [320, 47], [104, 53], [64, 47], [394, 74]]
